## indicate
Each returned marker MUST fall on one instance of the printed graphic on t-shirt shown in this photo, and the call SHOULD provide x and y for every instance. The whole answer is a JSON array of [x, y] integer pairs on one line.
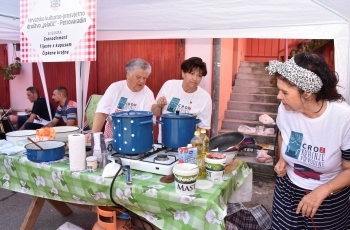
[[124, 105], [306, 172], [175, 105], [294, 145], [313, 155], [122, 102]]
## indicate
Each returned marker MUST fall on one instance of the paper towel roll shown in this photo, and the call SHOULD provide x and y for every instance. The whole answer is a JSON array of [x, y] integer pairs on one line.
[[77, 152]]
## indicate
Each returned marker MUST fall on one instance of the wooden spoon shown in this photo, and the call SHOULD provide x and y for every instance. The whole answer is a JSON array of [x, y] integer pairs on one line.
[[30, 139]]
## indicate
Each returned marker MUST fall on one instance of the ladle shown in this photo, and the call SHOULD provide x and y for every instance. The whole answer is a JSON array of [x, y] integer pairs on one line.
[[30, 139]]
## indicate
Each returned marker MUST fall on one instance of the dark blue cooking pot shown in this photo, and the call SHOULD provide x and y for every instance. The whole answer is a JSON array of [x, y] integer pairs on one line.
[[52, 151], [177, 129], [132, 131]]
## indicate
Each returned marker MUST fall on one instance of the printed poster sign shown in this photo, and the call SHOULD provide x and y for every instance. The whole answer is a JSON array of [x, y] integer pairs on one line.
[[58, 30]]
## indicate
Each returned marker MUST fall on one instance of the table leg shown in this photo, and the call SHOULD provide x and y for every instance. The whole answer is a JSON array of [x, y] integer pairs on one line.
[[61, 207], [33, 213]]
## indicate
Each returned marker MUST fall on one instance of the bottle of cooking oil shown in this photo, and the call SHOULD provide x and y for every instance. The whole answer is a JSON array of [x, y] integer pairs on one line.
[[198, 143], [205, 140]]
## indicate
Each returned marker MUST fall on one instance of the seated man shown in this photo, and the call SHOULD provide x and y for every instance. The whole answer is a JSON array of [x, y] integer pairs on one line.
[[39, 113], [67, 109]]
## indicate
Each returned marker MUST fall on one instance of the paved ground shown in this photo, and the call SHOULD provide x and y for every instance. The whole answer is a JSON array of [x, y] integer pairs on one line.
[[14, 206]]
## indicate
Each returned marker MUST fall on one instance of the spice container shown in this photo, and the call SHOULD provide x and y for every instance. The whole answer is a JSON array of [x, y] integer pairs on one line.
[[91, 163]]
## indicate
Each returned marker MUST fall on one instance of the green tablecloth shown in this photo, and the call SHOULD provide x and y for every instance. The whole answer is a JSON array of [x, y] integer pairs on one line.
[[147, 196]]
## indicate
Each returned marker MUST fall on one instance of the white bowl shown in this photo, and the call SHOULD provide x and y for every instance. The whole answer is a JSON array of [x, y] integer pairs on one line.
[[20, 135], [62, 132]]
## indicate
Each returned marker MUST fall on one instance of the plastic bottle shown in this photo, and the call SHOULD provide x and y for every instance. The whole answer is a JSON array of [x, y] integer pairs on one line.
[[205, 140], [104, 160], [198, 143]]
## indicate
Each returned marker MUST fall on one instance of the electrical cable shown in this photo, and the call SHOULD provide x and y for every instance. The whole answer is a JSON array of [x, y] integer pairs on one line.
[[116, 204]]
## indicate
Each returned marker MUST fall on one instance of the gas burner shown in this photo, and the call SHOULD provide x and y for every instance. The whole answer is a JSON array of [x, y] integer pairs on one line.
[[161, 158], [171, 150]]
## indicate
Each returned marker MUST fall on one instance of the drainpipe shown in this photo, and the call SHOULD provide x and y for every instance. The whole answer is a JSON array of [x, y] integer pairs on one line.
[[216, 86]]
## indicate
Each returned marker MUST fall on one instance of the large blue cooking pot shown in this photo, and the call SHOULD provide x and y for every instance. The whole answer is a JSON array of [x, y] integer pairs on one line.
[[132, 131], [177, 129]]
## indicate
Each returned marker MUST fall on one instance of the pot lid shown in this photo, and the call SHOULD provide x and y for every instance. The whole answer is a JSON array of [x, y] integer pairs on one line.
[[178, 115], [132, 113]]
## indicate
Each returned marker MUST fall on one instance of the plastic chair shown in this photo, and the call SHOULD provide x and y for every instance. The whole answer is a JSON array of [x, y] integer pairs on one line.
[[90, 110]]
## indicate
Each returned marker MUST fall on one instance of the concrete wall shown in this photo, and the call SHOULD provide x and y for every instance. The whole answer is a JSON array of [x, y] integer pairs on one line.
[[203, 48], [225, 84], [18, 86]]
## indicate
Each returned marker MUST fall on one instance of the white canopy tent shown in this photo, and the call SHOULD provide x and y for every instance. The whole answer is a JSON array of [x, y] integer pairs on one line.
[[142, 19]]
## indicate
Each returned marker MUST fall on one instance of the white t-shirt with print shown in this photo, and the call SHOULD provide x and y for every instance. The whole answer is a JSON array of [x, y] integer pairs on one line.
[[118, 97], [198, 103], [312, 146]]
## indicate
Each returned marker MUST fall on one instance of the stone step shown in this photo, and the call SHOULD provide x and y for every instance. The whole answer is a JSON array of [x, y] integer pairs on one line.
[[254, 97], [247, 115], [252, 70], [254, 64], [233, 124], [256, 83], [259, 169], [255, 90], [262, 77], [253, 106]]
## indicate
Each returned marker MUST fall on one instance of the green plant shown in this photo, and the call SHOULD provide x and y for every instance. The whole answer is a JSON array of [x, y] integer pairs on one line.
[[16, 64], [7, 72]]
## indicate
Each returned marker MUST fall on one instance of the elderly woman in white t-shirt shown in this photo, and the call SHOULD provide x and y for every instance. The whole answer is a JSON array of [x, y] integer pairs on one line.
[[125, 95]]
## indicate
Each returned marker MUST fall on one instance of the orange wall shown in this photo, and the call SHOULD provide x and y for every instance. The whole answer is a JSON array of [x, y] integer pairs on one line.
[[225, 90]]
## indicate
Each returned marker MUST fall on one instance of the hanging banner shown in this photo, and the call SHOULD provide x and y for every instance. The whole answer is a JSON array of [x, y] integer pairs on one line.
[[58, 30]]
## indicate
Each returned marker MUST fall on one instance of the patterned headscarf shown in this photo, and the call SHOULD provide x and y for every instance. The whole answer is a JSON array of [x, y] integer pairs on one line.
[[303, 78]]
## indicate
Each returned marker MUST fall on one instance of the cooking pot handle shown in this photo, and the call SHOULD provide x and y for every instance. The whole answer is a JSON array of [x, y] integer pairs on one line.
[[145, 122], [252, 146], [159, 122], [198, 120]]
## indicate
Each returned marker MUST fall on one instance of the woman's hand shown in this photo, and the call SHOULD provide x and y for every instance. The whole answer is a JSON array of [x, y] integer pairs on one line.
[[280, 167], [311, 201]]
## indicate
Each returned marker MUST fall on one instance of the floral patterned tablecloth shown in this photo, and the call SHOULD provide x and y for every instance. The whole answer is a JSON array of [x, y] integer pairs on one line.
[[147, 196]]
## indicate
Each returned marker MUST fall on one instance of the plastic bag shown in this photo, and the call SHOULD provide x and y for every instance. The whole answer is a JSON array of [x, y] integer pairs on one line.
[[263, 157], [44, 134], [111, 168], [246, 129], [245, 192], [69, 226], [240, 217], [266, 119], [269, 131]]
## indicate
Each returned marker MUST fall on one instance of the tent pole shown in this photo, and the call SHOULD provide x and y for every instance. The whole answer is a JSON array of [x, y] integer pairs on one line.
[[216, 87], [347, 89]]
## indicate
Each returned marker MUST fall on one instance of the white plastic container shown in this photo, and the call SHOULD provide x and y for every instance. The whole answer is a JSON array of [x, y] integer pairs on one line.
[[185, 178], [215, 168]]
